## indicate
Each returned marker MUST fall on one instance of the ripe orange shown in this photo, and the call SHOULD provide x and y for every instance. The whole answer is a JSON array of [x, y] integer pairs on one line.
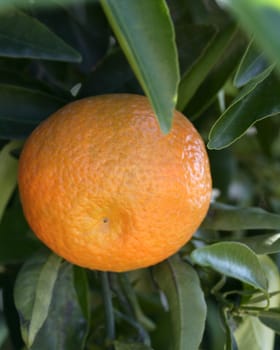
[[104, 188]]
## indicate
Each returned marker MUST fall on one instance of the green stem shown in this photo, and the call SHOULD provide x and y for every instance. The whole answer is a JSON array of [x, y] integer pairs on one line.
[[108, 305]]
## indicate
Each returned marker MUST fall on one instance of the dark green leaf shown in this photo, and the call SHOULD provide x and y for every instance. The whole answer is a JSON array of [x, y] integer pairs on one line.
[[6, 4], [18, 122], [149, 44], [130, 346], [23, 36], [234, 260], [253, 63], [228, 218], [260, 103], [16, 241], [181, 285], [193, 78], [216, 78], [112, 75], [33, 293], [8, 174], [262, 18], [230, 343]]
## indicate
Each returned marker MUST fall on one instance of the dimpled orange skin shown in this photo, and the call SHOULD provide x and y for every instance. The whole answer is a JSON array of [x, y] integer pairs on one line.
[[104, 188]]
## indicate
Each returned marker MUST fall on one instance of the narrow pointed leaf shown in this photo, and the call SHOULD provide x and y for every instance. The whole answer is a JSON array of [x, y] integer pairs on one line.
[[234, 260], [146, 35], [262, 18], [228, 218], [253, 63], [260, 103], [181, 285], [24, 36], [263, 244], [193, 78], [33, 293], [8, 174]]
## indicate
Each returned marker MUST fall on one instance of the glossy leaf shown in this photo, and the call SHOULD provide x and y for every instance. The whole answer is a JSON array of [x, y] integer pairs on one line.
[[18, 122], [228, 218], [31, 39], [33, 293], [253, 63], [263, 244], [130, 346], [234, 260], [149, 44], [262, 18], [247, 109], [193, 78], [181, 285], [8, 174]]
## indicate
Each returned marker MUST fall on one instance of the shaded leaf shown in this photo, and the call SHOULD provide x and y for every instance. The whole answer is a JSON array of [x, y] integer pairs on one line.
[[230, 343], [24, 36], [217, 77], [112, 75], [17, 243], [130, 346], [65, 327], [229, 218], [33, 293], [181, 285], [253, 63], [247, 109], [271, 319], [193, 78], [234, 260], [8, 174], [18, 122], [149, 44], [262, 18]]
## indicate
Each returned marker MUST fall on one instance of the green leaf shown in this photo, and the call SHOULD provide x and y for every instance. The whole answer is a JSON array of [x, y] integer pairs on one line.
[[33, 293], [262, 18], [31, 39], [17, 243], [216, 78], [8, 174], [246, 110], [6, 4], [253, 63], [263, 244], [181, 285], [251, 333], [229, 218], [130, 346], [18, 122], [193, 78], [271, 319], [149, 44], [234, 260], [230, 343], [65, 327]]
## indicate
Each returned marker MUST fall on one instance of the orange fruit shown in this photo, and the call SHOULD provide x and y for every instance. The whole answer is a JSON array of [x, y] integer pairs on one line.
[[103, 187]]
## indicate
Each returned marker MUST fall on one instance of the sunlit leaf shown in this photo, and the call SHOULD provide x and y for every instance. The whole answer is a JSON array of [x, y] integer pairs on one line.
[[234, 260], [31, 39], [228, 218], [181, 285], [263, 244], [149, 44]]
